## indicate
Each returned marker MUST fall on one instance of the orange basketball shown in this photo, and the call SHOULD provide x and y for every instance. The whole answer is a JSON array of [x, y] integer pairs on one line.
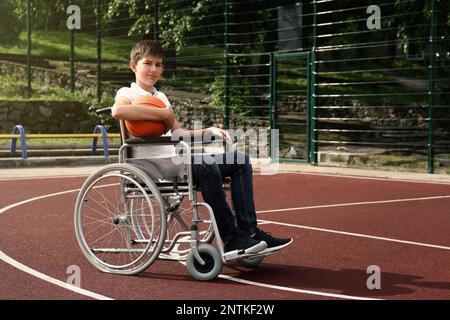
[[145, 128]]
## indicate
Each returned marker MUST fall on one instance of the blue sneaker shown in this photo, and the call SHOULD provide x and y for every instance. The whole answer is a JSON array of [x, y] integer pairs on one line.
[[273, 243], [244, 244]]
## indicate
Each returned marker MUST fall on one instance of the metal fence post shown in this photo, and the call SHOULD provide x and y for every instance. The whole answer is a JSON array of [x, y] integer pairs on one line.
[[313, 118], [99, 52], [72, 61], [226, 117], [272, 81], [155, 19], [29, 47], [431, 86]]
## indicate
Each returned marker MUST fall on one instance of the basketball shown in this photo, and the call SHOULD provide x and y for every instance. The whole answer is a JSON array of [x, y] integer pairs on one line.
[[145, 128]]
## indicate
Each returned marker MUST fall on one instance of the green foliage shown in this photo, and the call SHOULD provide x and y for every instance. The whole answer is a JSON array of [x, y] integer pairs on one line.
[[239, 96], [421, 23], [173, 23], [51, 15], [9, 23], [55, 45], [110, 124], [175, 35], [45, 14], [12, 87]]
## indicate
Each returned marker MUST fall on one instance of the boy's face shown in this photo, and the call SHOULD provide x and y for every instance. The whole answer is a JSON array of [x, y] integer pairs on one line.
[[148, 70]]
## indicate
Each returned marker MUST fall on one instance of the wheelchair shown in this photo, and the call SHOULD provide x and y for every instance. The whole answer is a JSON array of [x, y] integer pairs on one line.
[[130, 213]]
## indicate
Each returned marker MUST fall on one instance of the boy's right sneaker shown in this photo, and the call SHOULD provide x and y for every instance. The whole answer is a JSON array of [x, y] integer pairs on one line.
[[273, 244], [244, 244]]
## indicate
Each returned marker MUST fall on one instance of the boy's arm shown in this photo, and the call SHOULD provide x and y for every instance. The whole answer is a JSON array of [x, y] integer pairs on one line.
[[210, 132], [123, 109]]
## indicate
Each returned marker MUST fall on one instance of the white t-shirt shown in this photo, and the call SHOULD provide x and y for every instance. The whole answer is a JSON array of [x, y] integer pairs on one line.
[[135, 91], [145, 152]]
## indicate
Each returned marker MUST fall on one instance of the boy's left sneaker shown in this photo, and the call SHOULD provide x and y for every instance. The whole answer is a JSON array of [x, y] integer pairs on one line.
[[273, 243]]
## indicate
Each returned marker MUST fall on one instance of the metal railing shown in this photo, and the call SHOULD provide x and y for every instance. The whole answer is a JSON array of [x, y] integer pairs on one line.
[[19, 133]]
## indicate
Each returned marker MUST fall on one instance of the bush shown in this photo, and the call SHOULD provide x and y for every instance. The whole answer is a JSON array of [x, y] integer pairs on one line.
[[111, 125], [239, 96], [10, 25]]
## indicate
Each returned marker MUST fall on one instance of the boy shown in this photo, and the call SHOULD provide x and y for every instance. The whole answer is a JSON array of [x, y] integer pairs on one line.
[[147, 65]]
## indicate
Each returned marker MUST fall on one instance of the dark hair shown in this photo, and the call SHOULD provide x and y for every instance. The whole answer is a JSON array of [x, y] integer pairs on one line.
[[145, 47]]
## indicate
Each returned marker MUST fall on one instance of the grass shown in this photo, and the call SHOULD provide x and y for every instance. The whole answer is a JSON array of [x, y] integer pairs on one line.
[[14, 89], [201, 56], [56, 45]]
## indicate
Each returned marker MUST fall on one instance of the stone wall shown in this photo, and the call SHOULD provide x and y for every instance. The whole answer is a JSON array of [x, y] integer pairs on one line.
[[190, 110], [73, 117], [50, 77], [45, 116]]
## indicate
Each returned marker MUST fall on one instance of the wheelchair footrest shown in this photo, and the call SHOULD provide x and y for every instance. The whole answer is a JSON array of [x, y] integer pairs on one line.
[[238, 254]]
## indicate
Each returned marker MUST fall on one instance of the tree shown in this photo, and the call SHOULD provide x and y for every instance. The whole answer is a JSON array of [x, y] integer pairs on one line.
[[172, 26], [45, 14], [415, 28], [48, 15], [10, 25]]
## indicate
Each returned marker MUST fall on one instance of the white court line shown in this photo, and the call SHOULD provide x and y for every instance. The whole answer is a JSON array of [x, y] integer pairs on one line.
[[60, 283], [36, 273], [84, 175], [357, 235], [335, 175], [47, 278], [360, 177], [355, 204], [289, 289], [4, 209], [44, 277], [282, 288]]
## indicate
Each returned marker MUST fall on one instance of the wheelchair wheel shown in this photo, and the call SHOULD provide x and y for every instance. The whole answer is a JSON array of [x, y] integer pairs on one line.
[[251, 262], [120, 219], [213, 263]]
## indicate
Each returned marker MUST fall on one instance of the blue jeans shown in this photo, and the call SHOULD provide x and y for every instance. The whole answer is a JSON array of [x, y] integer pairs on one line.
[[209, 176]]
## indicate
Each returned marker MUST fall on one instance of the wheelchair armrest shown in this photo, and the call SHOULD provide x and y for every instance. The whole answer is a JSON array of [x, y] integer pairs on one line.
[[103, 110], [167, 140]]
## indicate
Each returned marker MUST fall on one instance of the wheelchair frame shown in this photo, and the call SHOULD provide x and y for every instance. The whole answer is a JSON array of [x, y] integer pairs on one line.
[[139, 221]]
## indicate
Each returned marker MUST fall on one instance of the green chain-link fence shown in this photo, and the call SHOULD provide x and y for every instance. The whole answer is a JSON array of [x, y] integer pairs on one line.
[[346, 83]]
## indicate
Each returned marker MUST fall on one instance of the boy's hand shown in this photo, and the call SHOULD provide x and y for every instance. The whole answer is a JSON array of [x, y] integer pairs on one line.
[[217, 132], [169, 118]]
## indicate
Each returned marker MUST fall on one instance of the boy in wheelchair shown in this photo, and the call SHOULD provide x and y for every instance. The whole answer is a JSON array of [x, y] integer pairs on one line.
[[246, 238]]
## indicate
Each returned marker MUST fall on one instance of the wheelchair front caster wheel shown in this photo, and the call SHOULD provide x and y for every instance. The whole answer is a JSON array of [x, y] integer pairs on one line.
[[213, 263], [251, 262]]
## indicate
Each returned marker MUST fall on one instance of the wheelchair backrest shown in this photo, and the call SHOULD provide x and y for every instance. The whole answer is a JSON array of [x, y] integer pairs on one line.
[[124, 135]]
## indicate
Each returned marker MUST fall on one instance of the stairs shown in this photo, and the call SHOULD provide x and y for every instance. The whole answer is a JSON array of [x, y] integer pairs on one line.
[[57, 156]]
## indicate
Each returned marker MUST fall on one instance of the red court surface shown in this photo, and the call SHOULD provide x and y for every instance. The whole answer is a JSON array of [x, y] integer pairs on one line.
[[341, 227]]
